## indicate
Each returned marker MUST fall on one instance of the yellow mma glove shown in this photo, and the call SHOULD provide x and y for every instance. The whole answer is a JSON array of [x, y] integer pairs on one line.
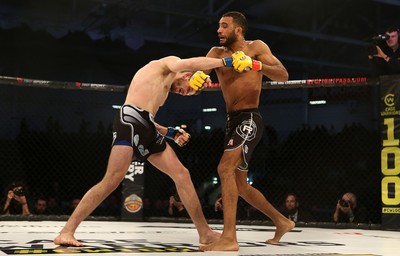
[[241, 62], [198, 80]]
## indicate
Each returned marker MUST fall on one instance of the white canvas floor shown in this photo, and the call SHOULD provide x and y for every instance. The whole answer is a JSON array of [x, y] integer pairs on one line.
[[154, 238]]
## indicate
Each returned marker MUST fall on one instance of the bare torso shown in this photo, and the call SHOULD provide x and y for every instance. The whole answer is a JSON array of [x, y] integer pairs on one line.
[[240, 90], [152, 83], [150, 86]]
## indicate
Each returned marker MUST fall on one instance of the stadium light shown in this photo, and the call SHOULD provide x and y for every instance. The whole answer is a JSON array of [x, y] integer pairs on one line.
[[317, 102], [209, 110]]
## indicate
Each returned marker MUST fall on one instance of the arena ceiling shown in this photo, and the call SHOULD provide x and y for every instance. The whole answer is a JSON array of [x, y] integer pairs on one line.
[[313, 38]]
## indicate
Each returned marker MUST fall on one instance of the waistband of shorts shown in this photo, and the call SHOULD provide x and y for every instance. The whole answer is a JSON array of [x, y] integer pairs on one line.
[[245, 110], [140, 110]]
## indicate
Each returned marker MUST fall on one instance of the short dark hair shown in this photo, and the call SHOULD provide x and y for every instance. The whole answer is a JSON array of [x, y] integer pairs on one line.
[[239, 19], [392, 29], [292, 194]]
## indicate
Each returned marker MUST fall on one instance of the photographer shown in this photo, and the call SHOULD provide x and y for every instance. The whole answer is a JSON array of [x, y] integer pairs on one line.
[[16, 202], [348, 211], [384, 55], [175, 202]]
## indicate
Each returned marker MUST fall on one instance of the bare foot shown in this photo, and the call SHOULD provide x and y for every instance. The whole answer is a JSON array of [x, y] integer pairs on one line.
[[210, 237], [66, 239], [222, 244], [281, 229]]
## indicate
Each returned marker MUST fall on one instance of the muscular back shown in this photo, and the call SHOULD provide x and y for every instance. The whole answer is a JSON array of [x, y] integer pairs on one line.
[[150, 86]]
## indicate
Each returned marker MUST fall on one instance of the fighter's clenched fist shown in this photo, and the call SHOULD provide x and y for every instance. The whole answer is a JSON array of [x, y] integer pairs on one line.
[[199, 81], [178, 135], [241, 62]]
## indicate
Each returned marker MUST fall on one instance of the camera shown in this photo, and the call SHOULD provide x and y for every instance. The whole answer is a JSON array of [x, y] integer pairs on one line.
[[177, 198], [380, 38], [376, 40], [343, 203], [19, 191]]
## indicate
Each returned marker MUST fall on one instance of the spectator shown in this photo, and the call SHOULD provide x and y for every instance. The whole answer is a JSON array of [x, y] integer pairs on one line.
[[71, 206], [53, 206], [218, 208], [176, 207], [348, 211], [218, 204], [74, 203], [292, 210], [40, 206], [385, 58], [16, 202]]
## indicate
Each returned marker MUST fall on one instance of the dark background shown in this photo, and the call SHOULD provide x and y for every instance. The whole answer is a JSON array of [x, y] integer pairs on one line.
[[59, 139], [107, 41]]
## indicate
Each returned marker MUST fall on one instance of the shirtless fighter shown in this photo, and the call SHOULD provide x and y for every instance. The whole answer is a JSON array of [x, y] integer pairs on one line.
[[136, 133]]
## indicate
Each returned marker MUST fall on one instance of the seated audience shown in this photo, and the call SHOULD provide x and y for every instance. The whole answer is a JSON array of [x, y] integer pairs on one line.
[[292, 210], [40, 206]]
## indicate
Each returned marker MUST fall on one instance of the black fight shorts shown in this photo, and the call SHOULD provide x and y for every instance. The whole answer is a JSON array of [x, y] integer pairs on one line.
[[134, 127], [244, 128]]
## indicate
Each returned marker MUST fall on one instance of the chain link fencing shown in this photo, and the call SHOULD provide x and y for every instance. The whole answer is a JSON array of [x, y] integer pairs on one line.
[[57, 142]]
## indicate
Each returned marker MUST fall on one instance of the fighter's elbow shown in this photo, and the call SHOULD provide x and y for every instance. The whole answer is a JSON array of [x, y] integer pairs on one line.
[[282, 77]]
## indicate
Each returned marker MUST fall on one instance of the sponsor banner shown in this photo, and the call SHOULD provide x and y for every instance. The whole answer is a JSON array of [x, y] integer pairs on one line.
[[390, 151], [132, 193]]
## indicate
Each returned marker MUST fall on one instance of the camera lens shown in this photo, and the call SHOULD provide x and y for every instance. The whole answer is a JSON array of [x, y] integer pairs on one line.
[[343, 203], [19, 192], [385, 37]]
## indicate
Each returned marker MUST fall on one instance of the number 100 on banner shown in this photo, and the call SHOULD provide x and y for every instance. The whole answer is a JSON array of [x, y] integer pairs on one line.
[[390, 167], [390, 152]]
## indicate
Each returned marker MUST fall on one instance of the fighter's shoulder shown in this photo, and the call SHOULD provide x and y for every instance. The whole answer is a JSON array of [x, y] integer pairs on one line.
[[169, 59], [256, 43], [165, 63], [217, 52], [256, 48]]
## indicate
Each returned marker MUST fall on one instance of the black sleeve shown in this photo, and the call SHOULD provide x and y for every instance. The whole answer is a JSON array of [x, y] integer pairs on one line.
[[378, 66], [394, 63]]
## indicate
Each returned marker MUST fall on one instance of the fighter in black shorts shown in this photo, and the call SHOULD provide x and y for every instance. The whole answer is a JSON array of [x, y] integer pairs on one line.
[[135, 127], [244, 128], [136, 134]]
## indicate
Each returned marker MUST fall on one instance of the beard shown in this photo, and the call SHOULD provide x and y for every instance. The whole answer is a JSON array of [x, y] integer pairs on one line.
[[291, 211], [229, 40]]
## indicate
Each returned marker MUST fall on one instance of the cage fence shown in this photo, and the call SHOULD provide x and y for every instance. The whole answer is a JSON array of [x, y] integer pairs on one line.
[[57, 142]]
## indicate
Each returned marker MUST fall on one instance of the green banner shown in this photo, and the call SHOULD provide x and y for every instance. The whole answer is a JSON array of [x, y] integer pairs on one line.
[[390, 151]]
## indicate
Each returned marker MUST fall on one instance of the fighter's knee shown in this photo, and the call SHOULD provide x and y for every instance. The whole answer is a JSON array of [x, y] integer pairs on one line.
[[181, 176], [222, 168], [225, 169], [113, 180]]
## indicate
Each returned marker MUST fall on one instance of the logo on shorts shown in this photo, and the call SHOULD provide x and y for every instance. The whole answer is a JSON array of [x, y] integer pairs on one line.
[[159, 139], [142, 150], [247, 130], [114, 138], [133, 203]]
